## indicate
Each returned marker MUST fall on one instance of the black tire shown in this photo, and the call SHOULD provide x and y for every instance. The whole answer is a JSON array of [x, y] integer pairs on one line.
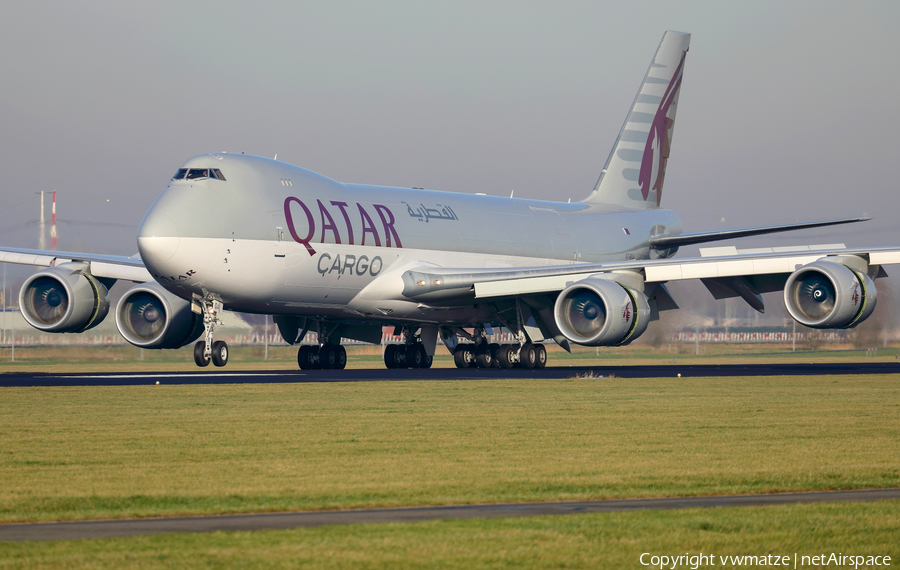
[[483, 358], [541, 354], [495, 355], [220, 353], [390, 356], [199, 358], [423, 359], [327, 356], [341, 358], [464, 356], [458, 358], [506, 356], [528, 356], [415, 356], [306, 358]]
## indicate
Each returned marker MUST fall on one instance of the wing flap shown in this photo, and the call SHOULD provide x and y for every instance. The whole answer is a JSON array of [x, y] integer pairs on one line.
[[123, 272], [21, 258], [526, 286], [705, 269], [884, 257]]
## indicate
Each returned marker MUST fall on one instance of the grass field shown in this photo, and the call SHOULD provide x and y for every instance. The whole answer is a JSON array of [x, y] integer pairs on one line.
[[99, 452], [610, 540], [109, 452]]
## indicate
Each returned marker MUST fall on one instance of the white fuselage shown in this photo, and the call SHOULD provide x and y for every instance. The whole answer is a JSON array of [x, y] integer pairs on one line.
[[274, 238]]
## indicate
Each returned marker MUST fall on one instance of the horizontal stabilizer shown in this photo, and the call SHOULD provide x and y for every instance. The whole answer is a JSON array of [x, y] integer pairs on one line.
[[664, 242]]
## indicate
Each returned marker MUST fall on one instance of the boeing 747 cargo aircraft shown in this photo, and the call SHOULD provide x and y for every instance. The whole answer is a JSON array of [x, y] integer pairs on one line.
[[251, 234]]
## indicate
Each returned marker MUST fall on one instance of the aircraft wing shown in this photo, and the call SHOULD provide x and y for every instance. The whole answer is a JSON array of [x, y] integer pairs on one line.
[[104, 266], [660, 242], [718, 268]]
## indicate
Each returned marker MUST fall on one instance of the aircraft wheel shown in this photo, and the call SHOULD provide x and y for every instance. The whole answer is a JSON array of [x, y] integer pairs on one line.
[[391, 358], [528, 356], [220, 353], [506, 356], [469, 357], [199, 358], [483, 357], [328, 356], [340, 358], [306, 358], [458, 358], [415, 358], [424, 359], [495, 355], [541, 354], [464, 356]]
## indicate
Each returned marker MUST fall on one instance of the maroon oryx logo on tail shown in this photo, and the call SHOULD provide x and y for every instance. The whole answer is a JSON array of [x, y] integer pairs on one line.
[[658, 139]]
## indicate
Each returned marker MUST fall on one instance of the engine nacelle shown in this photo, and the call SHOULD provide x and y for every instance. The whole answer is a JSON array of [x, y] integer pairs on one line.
[[601, 312], [64, 299], [828, 295], [148, 316]]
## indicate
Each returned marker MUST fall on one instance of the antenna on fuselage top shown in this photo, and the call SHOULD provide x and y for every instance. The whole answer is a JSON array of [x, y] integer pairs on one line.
[[511, 193], [276, 156]]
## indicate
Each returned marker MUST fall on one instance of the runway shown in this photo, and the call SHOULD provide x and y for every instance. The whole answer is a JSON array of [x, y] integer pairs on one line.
[[271, 521], [224, 376]]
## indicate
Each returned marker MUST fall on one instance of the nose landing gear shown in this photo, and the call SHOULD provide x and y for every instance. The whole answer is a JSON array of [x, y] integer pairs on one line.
[[206, 350]]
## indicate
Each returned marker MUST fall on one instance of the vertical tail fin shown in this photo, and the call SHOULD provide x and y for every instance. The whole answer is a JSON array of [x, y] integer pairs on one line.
[[636, 168]]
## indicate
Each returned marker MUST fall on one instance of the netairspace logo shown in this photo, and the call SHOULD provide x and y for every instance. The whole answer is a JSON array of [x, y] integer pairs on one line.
[[695, 561]]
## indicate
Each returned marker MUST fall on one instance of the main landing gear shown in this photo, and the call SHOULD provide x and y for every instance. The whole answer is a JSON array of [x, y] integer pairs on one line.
[[327, 355], [324, 357], [410, 354], [483, 354], [206, 350], [493, 355], [407, 356]]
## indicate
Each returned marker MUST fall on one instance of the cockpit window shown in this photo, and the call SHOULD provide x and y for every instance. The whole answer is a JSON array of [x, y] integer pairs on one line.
[[198, 173]]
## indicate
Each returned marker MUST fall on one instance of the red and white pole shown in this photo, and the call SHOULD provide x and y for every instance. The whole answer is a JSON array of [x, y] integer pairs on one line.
[[53, 223]]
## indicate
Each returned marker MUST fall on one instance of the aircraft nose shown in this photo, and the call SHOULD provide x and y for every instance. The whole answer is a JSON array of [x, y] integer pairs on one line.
[[158, 237]]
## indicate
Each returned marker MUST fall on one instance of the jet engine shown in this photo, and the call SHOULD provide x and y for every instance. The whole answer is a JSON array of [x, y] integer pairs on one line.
[[148, 316], [828, 295], [64, 299], [601, 312]]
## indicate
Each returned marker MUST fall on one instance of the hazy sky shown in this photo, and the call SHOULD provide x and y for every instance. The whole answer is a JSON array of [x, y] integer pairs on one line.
[[788, 109]]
